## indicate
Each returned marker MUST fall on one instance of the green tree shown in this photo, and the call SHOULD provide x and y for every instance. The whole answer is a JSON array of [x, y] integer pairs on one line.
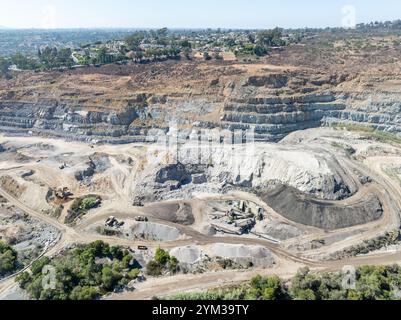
[[134, 40], [100, 248], [108, 278], [173, 264], [35, 287], [186, 44], [48, 57], [304, 284], [269, 294], [84, 293], [252, 294], [55, 58], [85, 60], [24, 279], [133, 274], [138, 56], [259, 50], [89, 203], [126, 261], [8, 259], [217, 56], [4, 65], [251, 38], [269, 288], [64, 57], [307, 294], [162, 33], [187, 53], [83, 273], [103, 57], [270, 38], [207, 56], [162, 256], [153, 268], [23, 62], [38, 265], [353, 295]]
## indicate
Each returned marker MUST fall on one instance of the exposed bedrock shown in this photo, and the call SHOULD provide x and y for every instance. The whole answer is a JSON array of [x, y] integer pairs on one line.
[[258, 104], [380, 111], [97, 163], [272, 118], [175, 172], [301, 208], [141, 120], [83, 124], [314, 172]]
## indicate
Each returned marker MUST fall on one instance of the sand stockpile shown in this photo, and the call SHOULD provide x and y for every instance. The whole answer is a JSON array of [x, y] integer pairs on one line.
[[154, 232], [188, 254], [247, 255], [257, 255]]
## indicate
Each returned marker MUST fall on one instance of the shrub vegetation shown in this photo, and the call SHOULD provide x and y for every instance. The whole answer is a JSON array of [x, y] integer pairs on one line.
[[371, 283], [84, 273]]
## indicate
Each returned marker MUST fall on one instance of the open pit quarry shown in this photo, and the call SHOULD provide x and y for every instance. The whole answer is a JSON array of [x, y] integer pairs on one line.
[[320, 185]]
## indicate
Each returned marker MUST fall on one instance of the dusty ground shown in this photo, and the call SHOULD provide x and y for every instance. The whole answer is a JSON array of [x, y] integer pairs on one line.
[[336, 56], [316, 162], [116, 183]]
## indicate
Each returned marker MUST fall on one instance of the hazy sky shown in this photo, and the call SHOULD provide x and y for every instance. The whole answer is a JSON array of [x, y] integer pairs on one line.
[[190, 13]]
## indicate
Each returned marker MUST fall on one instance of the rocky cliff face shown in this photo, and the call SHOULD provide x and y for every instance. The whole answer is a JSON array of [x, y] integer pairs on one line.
[[274, 104], [271, 118], [313, 172], [379, 110], [139, 122], [61, 120], [274, 118]]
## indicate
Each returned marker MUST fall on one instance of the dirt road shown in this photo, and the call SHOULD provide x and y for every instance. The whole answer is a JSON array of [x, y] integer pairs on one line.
[[287, 262], [287, 267]]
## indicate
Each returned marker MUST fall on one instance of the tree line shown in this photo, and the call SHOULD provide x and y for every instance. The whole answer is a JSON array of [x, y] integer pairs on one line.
[[84, 273], [141, 47], [370, 283], [8, 259], [48, 58], [260, 44]]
